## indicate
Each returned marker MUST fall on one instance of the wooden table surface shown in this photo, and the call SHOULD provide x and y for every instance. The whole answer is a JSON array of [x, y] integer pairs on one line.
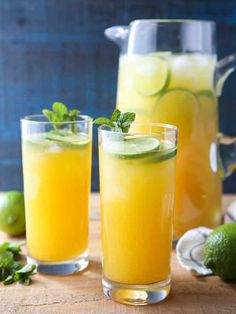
[[82, 293]]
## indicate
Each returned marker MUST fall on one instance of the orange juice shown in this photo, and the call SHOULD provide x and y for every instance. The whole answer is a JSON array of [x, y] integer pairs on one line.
[[56, 185], [137, 191], [178, 89]]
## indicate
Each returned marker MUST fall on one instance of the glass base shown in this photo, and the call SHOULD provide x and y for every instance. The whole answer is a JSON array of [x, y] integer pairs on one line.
[[136, 294], [61, 268]]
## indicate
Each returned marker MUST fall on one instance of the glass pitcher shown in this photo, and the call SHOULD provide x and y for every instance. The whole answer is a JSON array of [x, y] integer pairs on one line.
[[168, 73]]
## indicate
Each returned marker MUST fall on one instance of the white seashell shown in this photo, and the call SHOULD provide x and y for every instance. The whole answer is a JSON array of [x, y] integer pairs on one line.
[[190, 246], [189, 251], [230, 215]]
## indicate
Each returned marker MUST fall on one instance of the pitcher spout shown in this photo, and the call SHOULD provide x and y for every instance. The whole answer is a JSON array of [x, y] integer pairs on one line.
[[118, 34]]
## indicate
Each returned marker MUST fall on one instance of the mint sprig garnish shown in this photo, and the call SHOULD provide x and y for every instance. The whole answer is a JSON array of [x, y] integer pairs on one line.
[[60, 114], [10, 269], [119, 122]]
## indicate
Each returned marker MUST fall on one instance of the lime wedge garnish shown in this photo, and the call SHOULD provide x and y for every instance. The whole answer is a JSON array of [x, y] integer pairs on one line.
[[75, 139], [133, 147], [167, 151], [150, 75]]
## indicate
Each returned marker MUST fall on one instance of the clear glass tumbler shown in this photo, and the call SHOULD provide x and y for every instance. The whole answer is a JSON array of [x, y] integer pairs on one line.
[[57, 175], [137, 182]]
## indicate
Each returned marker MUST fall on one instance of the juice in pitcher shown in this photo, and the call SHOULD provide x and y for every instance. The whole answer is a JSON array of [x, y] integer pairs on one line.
[[178, 89]]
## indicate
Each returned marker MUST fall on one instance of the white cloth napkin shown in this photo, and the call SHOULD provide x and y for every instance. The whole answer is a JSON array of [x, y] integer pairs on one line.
[[189, 248]]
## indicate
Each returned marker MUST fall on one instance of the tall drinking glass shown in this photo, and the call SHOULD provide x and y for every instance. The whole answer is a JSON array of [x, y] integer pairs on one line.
[[137, 180], [57, 175]]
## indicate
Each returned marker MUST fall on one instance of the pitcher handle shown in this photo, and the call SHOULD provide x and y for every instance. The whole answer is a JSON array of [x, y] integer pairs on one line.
[[223, 69], [226, 145], [226, 155]]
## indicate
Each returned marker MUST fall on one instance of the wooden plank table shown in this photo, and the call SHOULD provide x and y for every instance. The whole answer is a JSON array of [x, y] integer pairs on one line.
[[82, 293]]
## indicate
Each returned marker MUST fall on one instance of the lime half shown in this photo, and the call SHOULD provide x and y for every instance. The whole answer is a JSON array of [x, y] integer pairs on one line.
[[133, 147], [150, 75], [12, 213], [220, 251]]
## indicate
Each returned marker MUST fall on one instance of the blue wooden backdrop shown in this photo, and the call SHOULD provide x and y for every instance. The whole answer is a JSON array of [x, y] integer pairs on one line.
[[55, 50]]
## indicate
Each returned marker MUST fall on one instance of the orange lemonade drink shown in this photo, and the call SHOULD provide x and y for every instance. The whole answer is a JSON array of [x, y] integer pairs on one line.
[[137, 181], [56, 185], [178, 89]]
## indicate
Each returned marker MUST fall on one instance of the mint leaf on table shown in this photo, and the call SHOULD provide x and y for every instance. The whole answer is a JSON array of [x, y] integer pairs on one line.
[[10, 270], [119, 122], [61, 114], [23, 274]]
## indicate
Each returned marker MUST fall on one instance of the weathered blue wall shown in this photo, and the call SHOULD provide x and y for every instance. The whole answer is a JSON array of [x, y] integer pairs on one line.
[[55, 50]]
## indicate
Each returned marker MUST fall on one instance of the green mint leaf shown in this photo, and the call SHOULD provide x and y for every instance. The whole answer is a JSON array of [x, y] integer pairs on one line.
[[61, 114], [4, 247], [116, 115], [28, 269], [23, 275], [119, 122], [74, 128], [72, 116], [9, 280], [48, 114], [10, 270], [6, 259], [16, 266], [60, 109], [104, 121], [126, 119], [15, 249], [25, 281], [73, 113]]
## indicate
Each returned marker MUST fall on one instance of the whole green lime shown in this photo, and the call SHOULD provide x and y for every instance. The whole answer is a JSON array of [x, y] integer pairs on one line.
[[12, 213], [220, 251]]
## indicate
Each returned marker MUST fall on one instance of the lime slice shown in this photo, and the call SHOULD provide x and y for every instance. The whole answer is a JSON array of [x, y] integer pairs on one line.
[[164, 54], [208, 112], [164, 155], [206, 93], [46, 140], [133, 147], [178, 107], [150, 75], [166, 151], [74, 139], [208, 104]]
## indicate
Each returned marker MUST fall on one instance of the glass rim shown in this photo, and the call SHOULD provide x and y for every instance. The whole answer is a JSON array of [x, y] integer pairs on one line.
[[178, 21], [32, 120], [170, 129]]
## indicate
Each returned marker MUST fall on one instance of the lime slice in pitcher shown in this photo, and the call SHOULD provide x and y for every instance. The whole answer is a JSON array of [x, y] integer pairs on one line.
[[208, 107], [163, 54], [178, 107], [133, 147], [150, 75]]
